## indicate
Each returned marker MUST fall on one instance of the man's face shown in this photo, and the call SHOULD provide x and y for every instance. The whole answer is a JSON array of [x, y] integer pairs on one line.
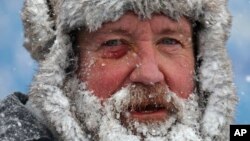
[[151, 57]]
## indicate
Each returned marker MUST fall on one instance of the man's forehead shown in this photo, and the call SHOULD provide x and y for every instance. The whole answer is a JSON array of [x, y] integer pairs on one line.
[[159, 23]]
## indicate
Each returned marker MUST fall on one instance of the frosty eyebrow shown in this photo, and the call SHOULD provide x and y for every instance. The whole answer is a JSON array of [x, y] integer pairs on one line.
[[118, 31], [175, 28], [171, 30]]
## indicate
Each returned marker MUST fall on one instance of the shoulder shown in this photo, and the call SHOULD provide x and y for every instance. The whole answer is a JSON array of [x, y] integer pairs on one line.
[[18, 123]]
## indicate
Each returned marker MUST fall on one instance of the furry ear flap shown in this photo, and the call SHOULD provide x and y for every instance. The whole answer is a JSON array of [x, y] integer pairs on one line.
[[39, 27]]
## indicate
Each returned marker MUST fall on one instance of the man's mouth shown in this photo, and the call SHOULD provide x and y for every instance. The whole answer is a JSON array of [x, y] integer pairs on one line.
[[149, 104], [147, 112], [147, 109]]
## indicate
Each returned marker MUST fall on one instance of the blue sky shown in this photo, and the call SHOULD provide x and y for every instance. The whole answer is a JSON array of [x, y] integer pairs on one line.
[[17, 67]]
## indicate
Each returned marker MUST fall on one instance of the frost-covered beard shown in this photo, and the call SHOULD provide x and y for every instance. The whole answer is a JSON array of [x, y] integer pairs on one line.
[[109, 120]]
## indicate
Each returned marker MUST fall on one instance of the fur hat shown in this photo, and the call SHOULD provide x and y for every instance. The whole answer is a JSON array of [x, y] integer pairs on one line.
[[47, 25]]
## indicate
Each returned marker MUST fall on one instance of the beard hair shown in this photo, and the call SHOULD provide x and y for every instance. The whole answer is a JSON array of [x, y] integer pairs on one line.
[[103, 121]]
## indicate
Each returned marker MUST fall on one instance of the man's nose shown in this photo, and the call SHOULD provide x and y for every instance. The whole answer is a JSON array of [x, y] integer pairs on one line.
[[147, 69]]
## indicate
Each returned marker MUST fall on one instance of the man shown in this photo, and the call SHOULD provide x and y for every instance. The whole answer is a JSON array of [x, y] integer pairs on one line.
[[130, 70]]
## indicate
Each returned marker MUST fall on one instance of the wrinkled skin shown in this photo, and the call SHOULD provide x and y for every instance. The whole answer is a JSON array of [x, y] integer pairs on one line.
[[133, 51]]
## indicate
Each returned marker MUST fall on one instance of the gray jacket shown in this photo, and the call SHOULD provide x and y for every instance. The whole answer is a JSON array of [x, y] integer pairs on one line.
[[18, 124]]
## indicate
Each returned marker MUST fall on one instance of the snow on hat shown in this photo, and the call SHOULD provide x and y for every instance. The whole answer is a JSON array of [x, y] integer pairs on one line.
[[48, 24]]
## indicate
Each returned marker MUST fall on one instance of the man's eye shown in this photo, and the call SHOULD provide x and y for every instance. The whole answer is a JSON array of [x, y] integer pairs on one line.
[[114, 48], [112, 43], [168, 41]]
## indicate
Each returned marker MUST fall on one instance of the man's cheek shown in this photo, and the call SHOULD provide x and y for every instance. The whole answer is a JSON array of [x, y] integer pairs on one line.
[[103, 83], [181, 82], [187, 87]]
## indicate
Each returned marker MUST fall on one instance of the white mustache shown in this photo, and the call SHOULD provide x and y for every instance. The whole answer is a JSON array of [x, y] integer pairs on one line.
[[139, 97]]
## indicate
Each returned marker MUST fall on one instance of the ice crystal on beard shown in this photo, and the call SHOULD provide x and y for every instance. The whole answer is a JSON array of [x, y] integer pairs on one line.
[[105, 121]]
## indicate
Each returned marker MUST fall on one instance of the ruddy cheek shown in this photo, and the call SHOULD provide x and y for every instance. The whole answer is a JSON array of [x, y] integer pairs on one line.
[[179, 81], [103, 81], [186, 86]]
